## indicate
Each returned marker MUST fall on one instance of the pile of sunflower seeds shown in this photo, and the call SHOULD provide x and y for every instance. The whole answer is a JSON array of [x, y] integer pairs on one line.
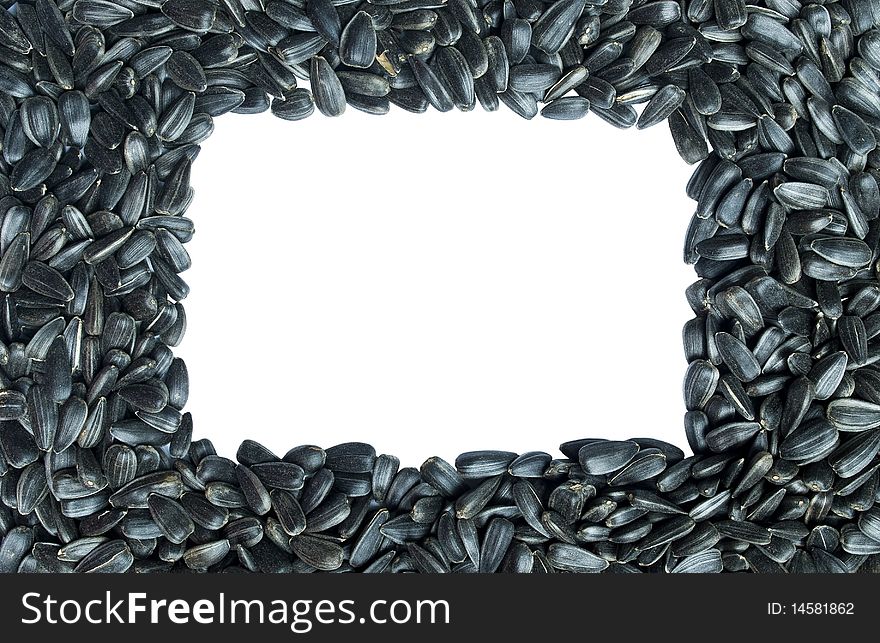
[[103, 105]]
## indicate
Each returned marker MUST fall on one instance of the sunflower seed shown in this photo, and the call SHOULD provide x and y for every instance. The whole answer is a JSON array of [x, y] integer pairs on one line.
[[648, 463], [255, 493], [601, 458], [113, 556], [186, 72], [855, 454], [172, 518], [358, 41], [844, 252], [13, 405], [328, 92], [737, 357], [483, 464], [853, 415], [565, 557], [204, 556], [810, 442], [194, 15], [370, 540], [801, 196], [666, 101], [12, 35], [556, 25], [325, 19]]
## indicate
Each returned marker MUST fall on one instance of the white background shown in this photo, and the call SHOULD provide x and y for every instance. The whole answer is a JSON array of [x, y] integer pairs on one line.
[[436, 284]]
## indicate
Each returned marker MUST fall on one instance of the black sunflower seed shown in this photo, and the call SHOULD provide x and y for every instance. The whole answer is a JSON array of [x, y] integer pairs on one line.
[[357, 46], [317, 552], [328, 92], [172, 518], [194, 15], [114, 556], [556, 24], [186, 72], [570, 558]]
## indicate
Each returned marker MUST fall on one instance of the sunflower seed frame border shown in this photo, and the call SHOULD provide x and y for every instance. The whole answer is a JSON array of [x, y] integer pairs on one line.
[[103, 105]]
